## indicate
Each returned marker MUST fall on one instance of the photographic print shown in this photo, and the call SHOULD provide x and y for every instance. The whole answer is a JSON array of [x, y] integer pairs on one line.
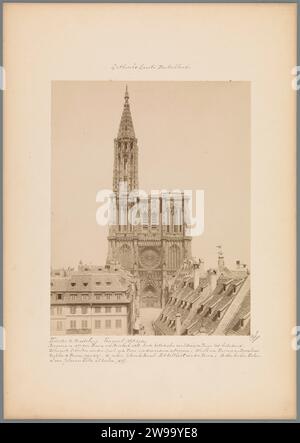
[[149, 211], [150, 208]]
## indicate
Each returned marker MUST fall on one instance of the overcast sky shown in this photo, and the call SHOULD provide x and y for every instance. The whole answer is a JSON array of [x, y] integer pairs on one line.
[[191, 135]]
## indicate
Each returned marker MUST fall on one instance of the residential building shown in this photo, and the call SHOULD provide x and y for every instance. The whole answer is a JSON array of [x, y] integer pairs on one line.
[[93, 300]]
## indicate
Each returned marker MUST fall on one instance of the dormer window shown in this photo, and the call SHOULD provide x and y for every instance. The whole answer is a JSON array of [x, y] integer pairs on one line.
[[85, 284], [108, 283], [73, 284], [98, 283]]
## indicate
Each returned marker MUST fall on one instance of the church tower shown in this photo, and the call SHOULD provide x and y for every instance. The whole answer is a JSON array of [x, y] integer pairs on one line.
[[154, 249], [125, 151]]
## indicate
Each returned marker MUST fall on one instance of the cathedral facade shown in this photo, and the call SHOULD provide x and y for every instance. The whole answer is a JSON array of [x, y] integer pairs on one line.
[[148, 236]]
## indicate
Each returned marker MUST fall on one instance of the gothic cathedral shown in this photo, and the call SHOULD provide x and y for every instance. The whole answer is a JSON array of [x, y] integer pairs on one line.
[[155, 248]]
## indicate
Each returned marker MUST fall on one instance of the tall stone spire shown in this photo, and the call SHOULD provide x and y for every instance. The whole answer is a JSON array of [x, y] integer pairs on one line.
[[126, 129], [125, 151]]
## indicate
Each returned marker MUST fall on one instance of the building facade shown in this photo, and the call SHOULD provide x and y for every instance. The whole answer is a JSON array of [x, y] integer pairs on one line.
[[93, 300], [148, 236]]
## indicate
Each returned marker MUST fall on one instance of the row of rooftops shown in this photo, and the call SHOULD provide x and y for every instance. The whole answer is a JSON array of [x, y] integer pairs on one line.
[[199, 301], [90, 278]]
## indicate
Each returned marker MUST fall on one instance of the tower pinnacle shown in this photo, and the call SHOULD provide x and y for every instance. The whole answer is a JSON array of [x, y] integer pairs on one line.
[[126, 94], [126, 129]]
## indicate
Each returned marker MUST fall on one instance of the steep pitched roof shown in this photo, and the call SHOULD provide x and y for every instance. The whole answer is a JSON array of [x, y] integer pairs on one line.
[[203, 311]]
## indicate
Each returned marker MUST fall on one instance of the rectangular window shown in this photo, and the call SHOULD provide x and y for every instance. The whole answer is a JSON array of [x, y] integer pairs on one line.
[[73, 324], [85, 297], [73, 297], [97, 309], [84, 310], [118, 323], [118, 309], [98, 297], [59, 325], [97, 324], [73, 310], [107, 309], [108, 324], [84, 324], [59, 310], [59, 297]]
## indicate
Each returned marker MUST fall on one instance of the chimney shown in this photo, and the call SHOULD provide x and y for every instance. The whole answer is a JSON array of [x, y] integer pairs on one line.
[[202, 269], [178, 324], [238, 264], [221, 263], [212, 279], [196, 267]]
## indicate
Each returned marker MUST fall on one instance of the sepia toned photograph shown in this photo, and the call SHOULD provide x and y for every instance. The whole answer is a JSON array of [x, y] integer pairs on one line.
[[149, 212], [150, 193]]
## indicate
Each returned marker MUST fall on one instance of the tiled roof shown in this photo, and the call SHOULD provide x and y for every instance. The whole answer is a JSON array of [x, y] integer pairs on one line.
[[202, 310], [103, 280], [240, 324]]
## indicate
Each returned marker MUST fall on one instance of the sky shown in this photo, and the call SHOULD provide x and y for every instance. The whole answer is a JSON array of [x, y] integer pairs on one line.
[[191, 135]]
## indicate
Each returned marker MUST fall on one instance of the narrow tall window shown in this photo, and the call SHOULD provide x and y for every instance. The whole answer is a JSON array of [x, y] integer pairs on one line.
[[84, 324], [73, 324], [97, 324], [59, 325]]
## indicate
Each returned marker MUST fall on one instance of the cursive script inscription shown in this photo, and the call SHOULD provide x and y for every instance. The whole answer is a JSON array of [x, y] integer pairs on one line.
[[121, 349]]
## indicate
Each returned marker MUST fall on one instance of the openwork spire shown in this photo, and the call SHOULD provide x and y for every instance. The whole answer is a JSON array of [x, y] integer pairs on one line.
[[126, 125]]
